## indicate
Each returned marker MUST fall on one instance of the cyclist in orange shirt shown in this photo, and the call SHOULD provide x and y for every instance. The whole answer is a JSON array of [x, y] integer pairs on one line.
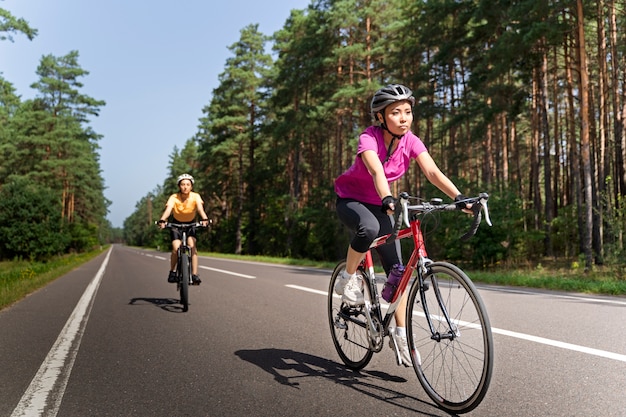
[[184, 206]]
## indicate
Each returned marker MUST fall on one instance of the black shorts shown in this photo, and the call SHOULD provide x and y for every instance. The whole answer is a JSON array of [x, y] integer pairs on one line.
[[177, 234], [366, 222]]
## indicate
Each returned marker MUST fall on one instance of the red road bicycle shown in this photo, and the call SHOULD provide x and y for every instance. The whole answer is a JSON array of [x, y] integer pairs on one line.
[[446, 321]]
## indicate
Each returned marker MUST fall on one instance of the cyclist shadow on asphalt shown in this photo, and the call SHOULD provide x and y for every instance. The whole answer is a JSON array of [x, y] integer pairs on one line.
[[287, 366], [168, 304]]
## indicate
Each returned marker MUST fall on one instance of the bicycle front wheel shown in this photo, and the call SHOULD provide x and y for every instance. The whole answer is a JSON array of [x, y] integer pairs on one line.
[[448, 325], [184, 282], [348, 327]]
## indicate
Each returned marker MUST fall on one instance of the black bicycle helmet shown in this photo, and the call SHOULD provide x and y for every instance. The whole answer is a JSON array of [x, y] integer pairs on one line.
[[390, 94]]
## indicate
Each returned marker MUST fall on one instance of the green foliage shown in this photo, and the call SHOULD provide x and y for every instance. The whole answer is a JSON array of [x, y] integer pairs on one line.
[[615, 251], [231, 134], [182, 161], [21, 277], [31, 226], [564, 279], [47, 141], [83, 237], [564, 232], [275, 134], [9, 25], [140, 229]]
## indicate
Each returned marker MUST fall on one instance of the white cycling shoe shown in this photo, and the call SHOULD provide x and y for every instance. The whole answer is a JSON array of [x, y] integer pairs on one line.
[[400, 347], [349, 287]]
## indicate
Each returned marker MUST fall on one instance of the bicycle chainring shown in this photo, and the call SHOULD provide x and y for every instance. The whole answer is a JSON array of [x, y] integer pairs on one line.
[[377, 343]]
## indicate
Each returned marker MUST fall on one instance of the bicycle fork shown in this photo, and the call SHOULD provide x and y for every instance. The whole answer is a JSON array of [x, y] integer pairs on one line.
[[453, 333]]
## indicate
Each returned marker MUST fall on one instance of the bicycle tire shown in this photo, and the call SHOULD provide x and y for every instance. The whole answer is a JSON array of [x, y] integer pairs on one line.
[[455, 372], [348, 327], [184, 282]]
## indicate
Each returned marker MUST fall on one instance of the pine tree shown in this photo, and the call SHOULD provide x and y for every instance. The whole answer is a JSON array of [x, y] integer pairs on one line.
[[231, 130]]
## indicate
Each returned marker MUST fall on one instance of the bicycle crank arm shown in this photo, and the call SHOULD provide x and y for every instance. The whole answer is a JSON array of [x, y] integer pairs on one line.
[[374, 334]]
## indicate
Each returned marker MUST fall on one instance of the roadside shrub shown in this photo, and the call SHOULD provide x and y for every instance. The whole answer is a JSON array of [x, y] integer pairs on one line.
[[31, 226]]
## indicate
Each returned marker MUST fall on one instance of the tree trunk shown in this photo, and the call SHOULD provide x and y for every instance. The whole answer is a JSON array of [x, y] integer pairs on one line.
[[547, 162], [573, 193], [535, 193], [618, 123], [584, 136]]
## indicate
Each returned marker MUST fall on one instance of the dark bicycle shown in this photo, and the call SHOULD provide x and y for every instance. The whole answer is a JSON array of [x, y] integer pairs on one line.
[[183, 266]]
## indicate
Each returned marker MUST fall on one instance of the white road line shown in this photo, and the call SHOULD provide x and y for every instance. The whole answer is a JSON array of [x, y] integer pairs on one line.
[[227, 272], [562, 345], [530, 338], [149, 255], [44, 394], [223, 271], [569, 297], [297, 287]]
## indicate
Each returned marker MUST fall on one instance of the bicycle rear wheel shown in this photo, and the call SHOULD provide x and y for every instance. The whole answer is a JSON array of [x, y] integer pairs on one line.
[[348, 327], [184, 282], [456, 363]]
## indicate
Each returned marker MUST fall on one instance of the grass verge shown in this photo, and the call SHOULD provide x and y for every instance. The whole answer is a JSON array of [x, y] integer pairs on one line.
[[596, 282], [600, 281], [20, 278]]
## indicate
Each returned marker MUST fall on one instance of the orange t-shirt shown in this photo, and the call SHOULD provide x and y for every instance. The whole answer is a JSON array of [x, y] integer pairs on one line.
[[185, 211]]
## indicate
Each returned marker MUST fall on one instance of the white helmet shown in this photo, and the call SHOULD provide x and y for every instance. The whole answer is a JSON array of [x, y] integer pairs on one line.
[[184, 177]]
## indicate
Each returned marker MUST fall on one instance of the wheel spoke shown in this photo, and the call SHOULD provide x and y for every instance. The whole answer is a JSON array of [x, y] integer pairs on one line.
[[455, 370], [347, 328]]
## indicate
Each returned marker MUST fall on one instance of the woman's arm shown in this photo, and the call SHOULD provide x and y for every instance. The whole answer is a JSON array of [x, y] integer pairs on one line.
[[200, 208], [435, 176], [166, 213], [375, 168]]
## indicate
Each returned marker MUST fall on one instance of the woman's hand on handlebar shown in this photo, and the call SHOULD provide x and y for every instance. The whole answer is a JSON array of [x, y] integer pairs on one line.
[[388, 205], [161, 223], [462, 203]]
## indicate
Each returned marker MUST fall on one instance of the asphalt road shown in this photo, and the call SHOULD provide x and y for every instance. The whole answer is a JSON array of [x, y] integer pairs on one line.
[[110, 339]]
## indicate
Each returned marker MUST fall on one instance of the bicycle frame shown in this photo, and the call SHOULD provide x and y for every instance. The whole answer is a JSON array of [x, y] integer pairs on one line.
[[183, 250], [418, 262], [447, 326], [418, 259]]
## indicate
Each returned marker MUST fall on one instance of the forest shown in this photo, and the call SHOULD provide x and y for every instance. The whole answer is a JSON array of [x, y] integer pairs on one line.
[[521, 99], [51, 188]]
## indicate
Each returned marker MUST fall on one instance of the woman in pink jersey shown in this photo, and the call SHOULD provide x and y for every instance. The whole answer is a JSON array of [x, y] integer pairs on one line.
[[365, 203]]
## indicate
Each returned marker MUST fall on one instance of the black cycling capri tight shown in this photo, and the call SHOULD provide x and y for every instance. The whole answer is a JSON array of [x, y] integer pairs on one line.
[[176, 234], [367, 222]]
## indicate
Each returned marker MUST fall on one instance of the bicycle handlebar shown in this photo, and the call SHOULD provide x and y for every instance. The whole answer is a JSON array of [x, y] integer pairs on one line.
[[479, 205], [182, 225]]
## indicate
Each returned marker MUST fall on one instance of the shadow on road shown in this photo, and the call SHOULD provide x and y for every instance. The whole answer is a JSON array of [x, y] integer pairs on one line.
[[287, 366], [168, 304]]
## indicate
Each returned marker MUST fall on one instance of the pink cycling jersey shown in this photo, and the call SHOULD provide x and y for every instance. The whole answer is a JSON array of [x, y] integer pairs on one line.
[[357, 183]]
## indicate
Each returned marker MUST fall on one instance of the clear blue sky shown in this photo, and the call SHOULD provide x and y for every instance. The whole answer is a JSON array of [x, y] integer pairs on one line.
[[155, 63]]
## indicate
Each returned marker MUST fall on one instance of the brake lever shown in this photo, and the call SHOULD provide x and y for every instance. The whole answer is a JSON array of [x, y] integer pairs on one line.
[[477, 209], [402, 211], [483, 203], [404, 201]]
